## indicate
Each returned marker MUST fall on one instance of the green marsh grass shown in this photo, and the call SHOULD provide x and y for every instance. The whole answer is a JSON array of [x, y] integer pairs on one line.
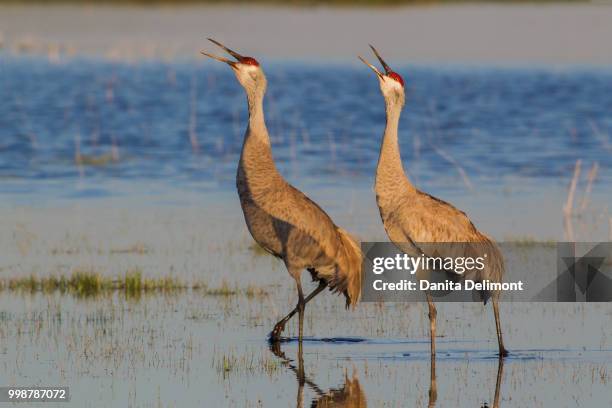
[[248, 362], [258, 250], [527, 241], [89, 283], [224, 290]]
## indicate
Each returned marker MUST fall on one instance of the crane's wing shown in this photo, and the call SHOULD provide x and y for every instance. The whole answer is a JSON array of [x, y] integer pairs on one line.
[[340, 266], [425, 218], [419, 219], [292, 206], [297, 215]]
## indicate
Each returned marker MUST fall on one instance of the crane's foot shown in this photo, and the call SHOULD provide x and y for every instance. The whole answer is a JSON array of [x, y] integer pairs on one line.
[[503, 353], [275, 334]]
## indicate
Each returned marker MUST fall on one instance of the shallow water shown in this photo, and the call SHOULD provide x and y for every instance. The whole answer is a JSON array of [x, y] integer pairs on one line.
[[158, 146], [147, 127], [204, 350]]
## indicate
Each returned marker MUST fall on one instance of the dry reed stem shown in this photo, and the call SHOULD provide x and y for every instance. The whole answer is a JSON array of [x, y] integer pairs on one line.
[[193, 137], [460, 169], [569, 205], [590, 179]]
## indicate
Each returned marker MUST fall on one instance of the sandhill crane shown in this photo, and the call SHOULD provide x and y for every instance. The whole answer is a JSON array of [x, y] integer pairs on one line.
[[281, 218], [411, 216]]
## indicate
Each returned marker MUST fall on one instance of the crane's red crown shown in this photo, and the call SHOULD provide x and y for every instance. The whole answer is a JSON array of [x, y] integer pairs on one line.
[[397, 77], [249, 61]]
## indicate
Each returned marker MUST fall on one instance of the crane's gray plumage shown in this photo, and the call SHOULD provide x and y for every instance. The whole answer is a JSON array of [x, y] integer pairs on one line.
[[281, 218], [411, 216]]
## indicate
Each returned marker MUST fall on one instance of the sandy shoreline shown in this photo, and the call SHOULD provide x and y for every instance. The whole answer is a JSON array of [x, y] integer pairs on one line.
[[498, 34]]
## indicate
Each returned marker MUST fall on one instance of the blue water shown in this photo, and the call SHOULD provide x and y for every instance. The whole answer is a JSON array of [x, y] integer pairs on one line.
[[501, 126]]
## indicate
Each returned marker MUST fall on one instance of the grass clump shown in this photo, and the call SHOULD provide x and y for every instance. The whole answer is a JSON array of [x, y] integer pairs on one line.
[[247, 362], [255, 292], [224, 290], [527, 241], [88, 283], [258, 249], [133, 282]]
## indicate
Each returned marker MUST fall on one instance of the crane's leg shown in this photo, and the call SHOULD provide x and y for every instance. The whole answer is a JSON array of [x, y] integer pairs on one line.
[[280, 326], [432, 323], [301, 308], [500, 341]]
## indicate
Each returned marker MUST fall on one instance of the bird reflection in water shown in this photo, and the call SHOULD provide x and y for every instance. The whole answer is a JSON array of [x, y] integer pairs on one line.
[[349, 395], [498, 382], [433, 387]]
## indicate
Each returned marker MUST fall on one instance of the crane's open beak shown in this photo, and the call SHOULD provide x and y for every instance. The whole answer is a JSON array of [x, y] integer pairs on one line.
[[230, 52], [376, 71], [382, 61], [384, 64]]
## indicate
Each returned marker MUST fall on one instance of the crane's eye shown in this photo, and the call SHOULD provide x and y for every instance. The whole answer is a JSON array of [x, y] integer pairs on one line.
[[397, 77]]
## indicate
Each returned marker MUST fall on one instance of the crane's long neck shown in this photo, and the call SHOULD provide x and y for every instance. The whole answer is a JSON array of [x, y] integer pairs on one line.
[[390, 175], [257, 124], [256, 161]]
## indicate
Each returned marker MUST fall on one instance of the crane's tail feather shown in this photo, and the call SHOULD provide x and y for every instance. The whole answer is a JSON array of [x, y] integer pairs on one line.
[[349, 268]]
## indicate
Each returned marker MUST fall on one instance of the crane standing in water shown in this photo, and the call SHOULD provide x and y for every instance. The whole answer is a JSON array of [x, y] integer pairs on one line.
[[281, 218], [411, 216]]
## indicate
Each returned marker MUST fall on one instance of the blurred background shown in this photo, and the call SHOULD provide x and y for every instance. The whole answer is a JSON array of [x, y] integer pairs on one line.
[[112, 99]]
